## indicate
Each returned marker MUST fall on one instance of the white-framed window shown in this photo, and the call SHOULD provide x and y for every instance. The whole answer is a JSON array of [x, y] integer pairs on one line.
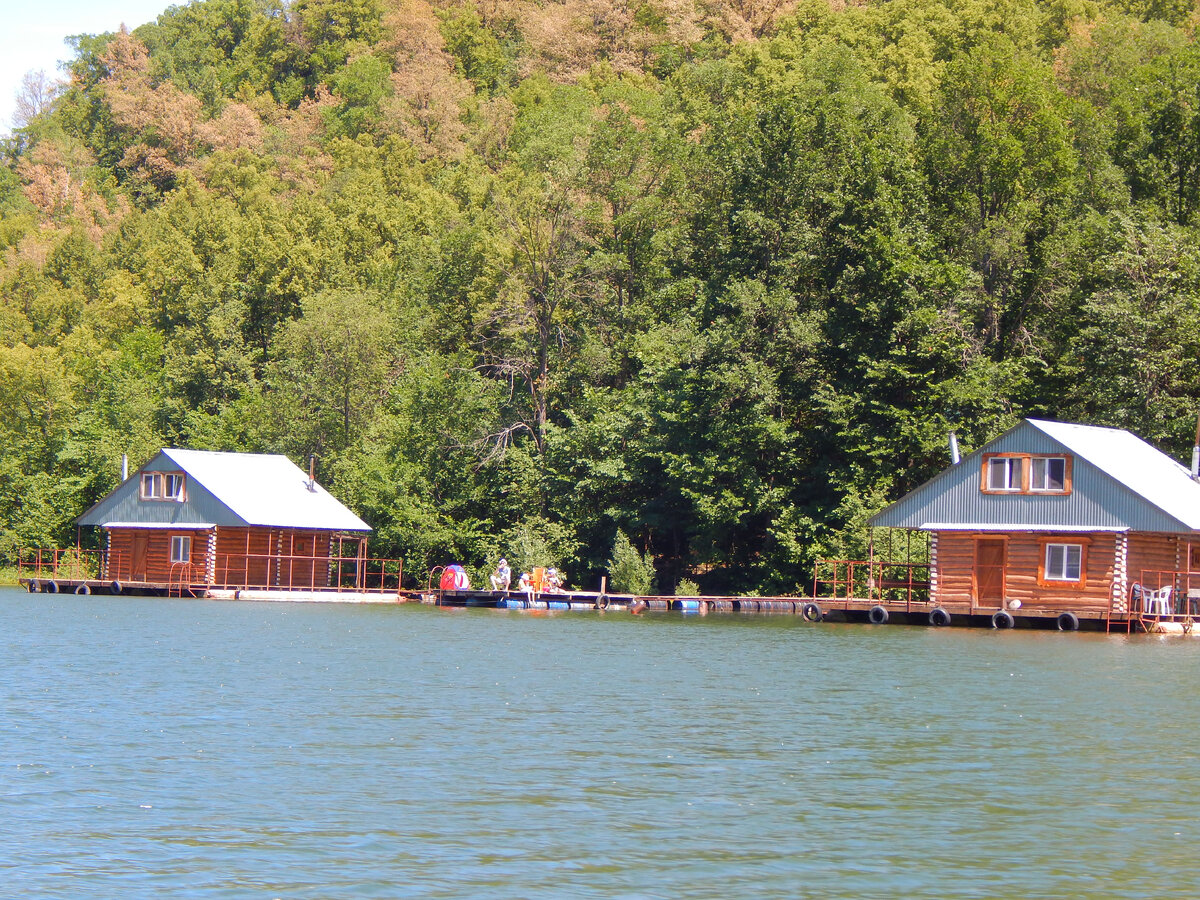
[[1004, 473], [1064, 562], [181, 548], [1048, 473], [163, 486]]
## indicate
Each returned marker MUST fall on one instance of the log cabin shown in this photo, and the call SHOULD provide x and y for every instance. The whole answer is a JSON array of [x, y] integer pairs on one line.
[[243, 520], [1052, 519]]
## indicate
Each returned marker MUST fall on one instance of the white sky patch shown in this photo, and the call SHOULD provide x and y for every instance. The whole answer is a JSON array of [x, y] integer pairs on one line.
[[35, 32]]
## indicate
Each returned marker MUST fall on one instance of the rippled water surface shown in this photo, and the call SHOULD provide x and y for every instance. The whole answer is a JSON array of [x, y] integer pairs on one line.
[[154, 748]]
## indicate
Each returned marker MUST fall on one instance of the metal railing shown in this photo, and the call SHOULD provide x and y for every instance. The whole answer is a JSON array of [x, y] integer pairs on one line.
[[275, 571], [880, 580], [71, 564], [1165, 594]]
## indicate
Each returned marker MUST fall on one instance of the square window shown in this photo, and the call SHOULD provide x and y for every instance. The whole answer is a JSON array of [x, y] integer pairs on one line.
[[151, 485], [1064, 562], [174, 487], [181, 548], [1048, 473], [1004, 473]]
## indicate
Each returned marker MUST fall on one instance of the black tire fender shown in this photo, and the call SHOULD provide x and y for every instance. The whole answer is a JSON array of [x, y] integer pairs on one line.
[[1003, 619], [938, 617], [115, 587], [877, 615], [35, 586], [811, 612], [51, 587], [1068, 621], [83, 589]]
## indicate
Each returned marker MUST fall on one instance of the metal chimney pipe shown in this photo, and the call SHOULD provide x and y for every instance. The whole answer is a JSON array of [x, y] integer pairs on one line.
[[954, 457], [312, 472], [124, 467]]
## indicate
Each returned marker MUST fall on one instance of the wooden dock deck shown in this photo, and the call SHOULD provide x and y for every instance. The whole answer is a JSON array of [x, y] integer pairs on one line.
[[907, 610]]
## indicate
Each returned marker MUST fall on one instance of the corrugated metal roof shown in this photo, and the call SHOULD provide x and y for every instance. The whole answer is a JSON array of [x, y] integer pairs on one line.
[[266, 489], [1119, 483], [1147, 472], [226, 489], [1011, 526]]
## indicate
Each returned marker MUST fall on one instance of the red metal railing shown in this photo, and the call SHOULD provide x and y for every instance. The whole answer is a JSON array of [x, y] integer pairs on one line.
[[860, 579], [69, 565], [1165, 593], [272, 571], [284, 572]]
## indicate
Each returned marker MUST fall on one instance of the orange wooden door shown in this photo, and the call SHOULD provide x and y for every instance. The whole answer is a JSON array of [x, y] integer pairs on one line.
[[989, 572], [141, 547]]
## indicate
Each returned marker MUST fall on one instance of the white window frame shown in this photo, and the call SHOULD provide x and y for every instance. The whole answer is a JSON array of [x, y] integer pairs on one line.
[[163, 486], [150, 485], [181, 548], [1061, 569], [1039, 474], [1013, 469], [173, 485]]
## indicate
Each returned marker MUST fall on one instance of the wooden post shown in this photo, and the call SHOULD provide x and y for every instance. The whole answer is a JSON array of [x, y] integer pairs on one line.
[[871, 582]]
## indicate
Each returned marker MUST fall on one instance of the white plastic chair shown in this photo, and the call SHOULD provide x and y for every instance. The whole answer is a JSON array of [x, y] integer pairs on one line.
[[1158, 603]]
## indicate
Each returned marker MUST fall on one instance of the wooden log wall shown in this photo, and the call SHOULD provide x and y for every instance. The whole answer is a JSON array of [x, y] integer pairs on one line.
[[1023, 559], [1150, 554], [272, 557], [155, 565]]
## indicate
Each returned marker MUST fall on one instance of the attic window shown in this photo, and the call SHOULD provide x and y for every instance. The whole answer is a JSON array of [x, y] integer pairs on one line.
[[1025, 473], [163, 486], [1004, 473], [1049, 474]]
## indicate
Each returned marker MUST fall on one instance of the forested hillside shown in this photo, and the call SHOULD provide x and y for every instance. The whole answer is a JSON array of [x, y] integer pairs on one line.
[[721, 274]]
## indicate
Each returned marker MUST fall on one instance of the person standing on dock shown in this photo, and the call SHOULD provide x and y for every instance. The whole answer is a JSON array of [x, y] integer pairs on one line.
[[502, 576]]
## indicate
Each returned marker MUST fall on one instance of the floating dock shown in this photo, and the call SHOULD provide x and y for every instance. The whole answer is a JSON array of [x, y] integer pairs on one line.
[[908, 610]]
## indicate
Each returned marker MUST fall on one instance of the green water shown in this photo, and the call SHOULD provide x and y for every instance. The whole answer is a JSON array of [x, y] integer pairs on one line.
[[155, 748]]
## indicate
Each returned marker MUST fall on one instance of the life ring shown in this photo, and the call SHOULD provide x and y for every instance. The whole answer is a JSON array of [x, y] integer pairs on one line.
[[1068, 621], [811, 612], [83, 589], [51, 587], [938, 617], [35, 586], [878, 615], [115, 587], [1003, 619]]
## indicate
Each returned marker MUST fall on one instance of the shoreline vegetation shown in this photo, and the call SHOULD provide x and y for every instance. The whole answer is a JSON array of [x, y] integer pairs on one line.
[[532, 279]]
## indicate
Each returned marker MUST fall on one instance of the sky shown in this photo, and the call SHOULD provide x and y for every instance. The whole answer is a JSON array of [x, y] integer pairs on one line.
[[34, 32]]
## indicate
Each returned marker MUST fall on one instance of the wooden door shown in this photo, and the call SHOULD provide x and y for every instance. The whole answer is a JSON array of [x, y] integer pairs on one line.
[[989, 571], [141, 547]]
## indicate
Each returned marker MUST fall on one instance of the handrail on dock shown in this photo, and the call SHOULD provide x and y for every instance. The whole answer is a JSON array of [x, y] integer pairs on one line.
[[71, 564], [298, 572], [862, 579], [1165, 594]]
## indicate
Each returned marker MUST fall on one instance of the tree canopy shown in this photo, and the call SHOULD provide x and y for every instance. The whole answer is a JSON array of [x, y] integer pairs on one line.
[[709, 280]]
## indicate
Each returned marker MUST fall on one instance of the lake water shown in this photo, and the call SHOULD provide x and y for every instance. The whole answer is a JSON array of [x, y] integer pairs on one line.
[[188, 748]]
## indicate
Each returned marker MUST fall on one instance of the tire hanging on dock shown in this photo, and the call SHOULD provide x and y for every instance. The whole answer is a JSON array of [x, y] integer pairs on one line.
[[34, 586], [115, 587], [83, 589], [1068, 621], [1003, 619], [938, 617], [811, 612], [878, 615], [51, 587]]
